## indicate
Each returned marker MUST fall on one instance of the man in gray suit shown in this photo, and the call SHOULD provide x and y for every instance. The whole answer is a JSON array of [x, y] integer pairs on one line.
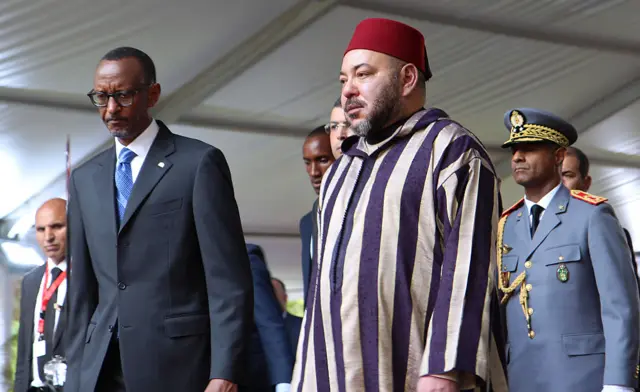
[[565, 273], [160, 291]]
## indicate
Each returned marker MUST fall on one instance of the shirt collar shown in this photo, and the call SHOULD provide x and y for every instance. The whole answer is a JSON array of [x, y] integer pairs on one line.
[[62, 265], [142, 144], [545, 201]]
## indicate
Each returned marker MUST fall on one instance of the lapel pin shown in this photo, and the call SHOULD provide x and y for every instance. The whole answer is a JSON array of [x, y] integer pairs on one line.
[[160, 164], [519, 214], [561, 207]]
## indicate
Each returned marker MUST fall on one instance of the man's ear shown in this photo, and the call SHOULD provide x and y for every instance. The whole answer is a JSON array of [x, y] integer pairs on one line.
[[154, 94], [559, 155], [587, 183], [409, 79]]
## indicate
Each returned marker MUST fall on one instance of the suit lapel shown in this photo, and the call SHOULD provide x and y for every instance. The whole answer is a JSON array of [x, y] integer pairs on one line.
[[522, 225], [105, 190], [155, 166], [314, 223], [550, 220], [31, 296]]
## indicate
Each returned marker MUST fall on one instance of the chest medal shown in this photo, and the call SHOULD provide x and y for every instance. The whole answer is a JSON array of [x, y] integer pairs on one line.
[[562, 273]]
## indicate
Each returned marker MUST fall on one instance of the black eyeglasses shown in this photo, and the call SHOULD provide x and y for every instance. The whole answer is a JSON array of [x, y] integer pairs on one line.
[[123, 97], [333, 126]]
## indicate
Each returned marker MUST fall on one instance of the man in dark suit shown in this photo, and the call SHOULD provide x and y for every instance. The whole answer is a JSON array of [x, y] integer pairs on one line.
[[292, 322], [40, 333], [160, 294], [317, 157], [271, 356]]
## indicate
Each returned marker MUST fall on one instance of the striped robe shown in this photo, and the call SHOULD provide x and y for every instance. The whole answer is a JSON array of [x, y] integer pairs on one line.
[[405, 269]]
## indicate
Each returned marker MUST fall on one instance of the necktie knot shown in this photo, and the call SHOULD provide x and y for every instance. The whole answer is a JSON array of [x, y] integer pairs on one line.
[[55, 272], [126, 156]]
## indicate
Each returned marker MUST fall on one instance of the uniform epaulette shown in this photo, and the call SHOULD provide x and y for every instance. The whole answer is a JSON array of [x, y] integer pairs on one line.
[[588, 198], [512, 208]]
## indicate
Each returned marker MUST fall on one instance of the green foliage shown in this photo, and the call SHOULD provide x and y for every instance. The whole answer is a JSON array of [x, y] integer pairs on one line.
[[10, 352], [296, 307]]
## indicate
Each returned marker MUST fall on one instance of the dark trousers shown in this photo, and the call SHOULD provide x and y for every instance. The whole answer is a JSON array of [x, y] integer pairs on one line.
[[111, 378]]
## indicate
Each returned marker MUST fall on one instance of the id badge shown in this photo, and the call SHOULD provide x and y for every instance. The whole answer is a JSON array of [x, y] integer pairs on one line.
[[40, 348]]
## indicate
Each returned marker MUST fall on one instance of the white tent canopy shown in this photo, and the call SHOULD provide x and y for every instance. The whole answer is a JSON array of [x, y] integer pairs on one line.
[[253, 77]]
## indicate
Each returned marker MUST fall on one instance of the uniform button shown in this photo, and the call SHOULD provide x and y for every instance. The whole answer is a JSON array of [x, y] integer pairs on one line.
[[530, 311], [122, 286], [529, 287], [532, 334], [110, 328], [561, 258], [527, 264]]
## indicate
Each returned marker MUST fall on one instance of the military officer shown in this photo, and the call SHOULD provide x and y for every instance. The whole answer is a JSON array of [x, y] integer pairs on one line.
[[566, 276]]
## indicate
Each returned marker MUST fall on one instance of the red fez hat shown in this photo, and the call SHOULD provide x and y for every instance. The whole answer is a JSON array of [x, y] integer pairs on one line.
[[394, 39]]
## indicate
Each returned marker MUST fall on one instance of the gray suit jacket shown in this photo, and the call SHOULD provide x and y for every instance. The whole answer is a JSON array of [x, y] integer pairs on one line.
[[175, 276], [28, 297], [580, 322]]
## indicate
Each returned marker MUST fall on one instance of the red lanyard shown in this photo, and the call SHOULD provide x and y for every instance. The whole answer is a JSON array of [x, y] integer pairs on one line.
[[47, 294]]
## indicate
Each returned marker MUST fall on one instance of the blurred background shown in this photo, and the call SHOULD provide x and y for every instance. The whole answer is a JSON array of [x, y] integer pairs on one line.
[[253, 77]]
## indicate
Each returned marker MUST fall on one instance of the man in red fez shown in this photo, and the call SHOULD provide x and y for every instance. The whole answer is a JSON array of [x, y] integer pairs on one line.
[[402, 293]]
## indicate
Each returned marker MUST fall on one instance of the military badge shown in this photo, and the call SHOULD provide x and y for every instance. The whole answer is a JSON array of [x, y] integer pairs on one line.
[[562, 273], [517, 121], [506, 249]]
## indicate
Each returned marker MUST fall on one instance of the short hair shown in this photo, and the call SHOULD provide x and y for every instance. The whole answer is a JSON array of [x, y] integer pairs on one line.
[[281, 283], [148, 68], [397, 65], [583, 160], [317, 131], [337, 103]]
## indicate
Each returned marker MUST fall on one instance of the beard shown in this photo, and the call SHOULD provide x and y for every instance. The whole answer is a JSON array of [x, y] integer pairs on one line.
[[383, 109], [126, 128]]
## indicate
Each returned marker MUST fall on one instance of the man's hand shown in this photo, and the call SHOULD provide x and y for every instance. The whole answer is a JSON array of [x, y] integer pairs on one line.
[[220, 385], [436, 384]]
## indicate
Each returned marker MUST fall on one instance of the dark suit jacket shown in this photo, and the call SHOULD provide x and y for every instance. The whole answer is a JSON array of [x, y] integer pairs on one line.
[[175, 275], [28, 297], [271, 355], [308, 229], [293, 325]]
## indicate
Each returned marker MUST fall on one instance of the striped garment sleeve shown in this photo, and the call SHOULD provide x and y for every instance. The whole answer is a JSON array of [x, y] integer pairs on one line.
[[466, 210]]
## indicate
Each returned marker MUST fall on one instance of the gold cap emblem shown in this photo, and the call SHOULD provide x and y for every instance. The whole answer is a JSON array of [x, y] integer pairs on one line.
[[517, 121]]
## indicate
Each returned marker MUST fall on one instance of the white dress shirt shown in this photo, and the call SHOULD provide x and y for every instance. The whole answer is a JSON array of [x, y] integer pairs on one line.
[[62, 293], [141, 146], [544, 203]]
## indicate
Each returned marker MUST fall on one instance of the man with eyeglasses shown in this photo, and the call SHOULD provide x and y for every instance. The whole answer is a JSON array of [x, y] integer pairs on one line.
[[160, 292], [338, 129]]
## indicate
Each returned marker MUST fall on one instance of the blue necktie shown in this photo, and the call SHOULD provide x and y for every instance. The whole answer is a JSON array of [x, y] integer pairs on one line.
[[124, 181]]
